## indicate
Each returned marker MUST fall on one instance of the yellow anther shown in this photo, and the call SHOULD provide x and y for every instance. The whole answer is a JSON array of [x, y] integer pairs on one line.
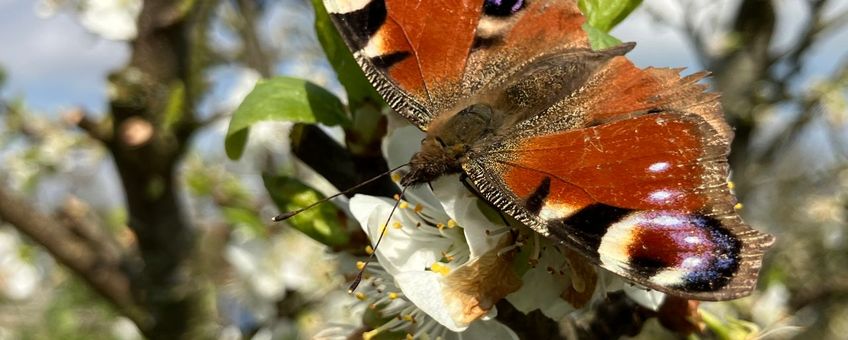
[[440, 226], [440, 268], [396, 197], [370, 335], [360, 296], [397, 225], [730, 185], [403, 205], [408, 317], [369, 250], [409, 336], [393, 295], [418, 208], [395, 177], [738, 206], [383, 228], [360, 264], [451, 223]]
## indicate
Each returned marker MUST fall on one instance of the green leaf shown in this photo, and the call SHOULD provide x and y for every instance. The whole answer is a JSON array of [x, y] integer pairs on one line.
[[283, 99], [605, 14], [599, 39], [729, 327], [175, 106], [245, 219], [358, 89], [324, 223]]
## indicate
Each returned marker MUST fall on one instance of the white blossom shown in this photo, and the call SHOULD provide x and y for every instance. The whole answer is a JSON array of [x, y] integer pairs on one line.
[[18, 278], [452, 258], [111, 19]]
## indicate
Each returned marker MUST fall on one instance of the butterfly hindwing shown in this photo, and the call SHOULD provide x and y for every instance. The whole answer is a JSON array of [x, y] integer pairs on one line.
[[642, 193]]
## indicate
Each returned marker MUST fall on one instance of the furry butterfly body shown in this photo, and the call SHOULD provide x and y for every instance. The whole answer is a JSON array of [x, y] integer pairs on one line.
[[627, 166]]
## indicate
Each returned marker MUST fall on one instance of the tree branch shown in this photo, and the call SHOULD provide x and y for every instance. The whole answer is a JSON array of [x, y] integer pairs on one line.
[[104, 275], [794, 55], [252, 51], [75, 216], [100, 131], [335, 163]]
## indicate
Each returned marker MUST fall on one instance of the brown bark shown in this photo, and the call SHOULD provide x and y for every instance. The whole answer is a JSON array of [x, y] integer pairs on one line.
[[95, 266], [159, 88]]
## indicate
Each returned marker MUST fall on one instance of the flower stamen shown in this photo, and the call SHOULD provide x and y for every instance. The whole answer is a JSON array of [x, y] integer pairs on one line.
[[447, 257]]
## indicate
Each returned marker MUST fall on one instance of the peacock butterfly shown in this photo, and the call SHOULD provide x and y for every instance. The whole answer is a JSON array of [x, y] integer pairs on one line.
[[627, 166]]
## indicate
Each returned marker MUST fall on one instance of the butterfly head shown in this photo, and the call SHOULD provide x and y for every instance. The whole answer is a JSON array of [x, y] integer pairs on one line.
[[447, 143]]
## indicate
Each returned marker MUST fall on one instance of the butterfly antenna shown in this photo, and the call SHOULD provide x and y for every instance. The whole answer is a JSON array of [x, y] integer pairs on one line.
[[383, 229], [287, 215]]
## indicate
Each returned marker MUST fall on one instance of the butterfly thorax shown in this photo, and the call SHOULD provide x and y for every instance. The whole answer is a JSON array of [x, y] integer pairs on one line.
[[448, 142]]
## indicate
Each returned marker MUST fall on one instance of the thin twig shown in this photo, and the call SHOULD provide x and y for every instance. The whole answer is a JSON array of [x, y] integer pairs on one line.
[[98, 130]]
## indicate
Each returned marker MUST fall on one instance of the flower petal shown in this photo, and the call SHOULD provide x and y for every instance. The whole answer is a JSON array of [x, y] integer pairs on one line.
[[424, 289], [583, 279], [400, 144], [398, 147], [463, 206], [473, 289], [401, 249], [650, 299], [542, 288]]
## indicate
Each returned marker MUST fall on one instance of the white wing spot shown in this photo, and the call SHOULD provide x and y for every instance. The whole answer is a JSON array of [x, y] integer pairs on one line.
[[345, 6], [658, 167]]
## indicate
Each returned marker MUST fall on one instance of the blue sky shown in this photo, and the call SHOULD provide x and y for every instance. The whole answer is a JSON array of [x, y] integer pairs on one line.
[[54, 63]]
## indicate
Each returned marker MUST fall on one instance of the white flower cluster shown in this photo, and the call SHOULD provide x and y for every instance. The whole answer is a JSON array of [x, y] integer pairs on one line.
[[110, 19], [19, 278], [446, 259]]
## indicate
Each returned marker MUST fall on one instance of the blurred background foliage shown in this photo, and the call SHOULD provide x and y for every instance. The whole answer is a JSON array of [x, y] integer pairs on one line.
[[128, 218]]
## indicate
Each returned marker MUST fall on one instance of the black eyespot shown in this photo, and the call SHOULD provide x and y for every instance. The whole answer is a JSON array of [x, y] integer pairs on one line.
[[502, 8]]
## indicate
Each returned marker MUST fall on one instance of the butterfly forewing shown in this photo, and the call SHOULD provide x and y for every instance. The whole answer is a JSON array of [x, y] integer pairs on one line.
[[426, 58]]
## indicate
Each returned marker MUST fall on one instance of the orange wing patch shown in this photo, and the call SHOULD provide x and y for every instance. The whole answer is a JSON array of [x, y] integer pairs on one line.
[[621, 88], [650, 162], [438, 42]]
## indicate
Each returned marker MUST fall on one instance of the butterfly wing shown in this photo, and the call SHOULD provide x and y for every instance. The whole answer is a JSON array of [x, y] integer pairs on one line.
[[631, 171], [426, 58]]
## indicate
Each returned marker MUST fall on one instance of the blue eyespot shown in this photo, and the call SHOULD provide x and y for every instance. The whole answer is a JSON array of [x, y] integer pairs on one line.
[[502, 8]]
